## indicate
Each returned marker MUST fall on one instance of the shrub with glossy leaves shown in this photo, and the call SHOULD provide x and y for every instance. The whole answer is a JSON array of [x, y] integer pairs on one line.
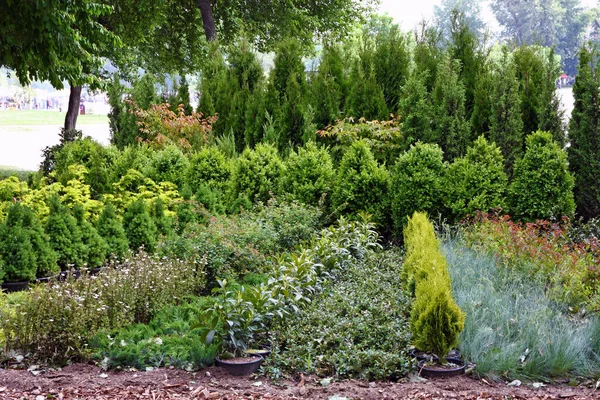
[[476, 182], [417, 182], [257, 174], [309, 174], [361, 185], [543, 186]]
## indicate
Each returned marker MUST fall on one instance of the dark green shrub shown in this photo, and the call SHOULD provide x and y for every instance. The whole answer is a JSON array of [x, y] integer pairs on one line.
[[136, 156], [64, 235], [163, 224], [139, 227], [208, 167], [95, 246], [111, 229], [416, 109], [417, 180], [257, 174], [366, 98], [543, 186], [212, 200], [309, 174], [361, 185], [393, 61], [476, 182], [24, 247], [167, 165]]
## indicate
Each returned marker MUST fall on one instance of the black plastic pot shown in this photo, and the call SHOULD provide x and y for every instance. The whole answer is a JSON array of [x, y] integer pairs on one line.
[[240, 369], [15, 286], [260, 352], [427, 370]]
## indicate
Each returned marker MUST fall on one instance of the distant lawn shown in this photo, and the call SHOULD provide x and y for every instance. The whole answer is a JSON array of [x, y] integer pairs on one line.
[[43, 117]]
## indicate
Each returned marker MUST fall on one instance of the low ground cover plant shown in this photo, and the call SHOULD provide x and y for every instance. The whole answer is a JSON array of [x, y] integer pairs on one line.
[[356, 328], [512, 329]]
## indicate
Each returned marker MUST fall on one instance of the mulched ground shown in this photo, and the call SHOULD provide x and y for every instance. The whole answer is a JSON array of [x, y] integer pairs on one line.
[[81, 381]]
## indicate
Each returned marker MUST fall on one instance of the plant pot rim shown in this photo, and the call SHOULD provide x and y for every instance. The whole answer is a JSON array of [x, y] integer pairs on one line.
[[240, 369], [427, 371]]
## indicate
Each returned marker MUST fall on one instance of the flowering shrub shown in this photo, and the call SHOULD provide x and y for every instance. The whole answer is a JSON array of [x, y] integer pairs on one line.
[[56, 320], [162, 126], [542, 250]]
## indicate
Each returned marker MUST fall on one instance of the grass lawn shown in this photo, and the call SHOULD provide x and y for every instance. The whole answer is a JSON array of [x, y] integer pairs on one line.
[[43, 117]]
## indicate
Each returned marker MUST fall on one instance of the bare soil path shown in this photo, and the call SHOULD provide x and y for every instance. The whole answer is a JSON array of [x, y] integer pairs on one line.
[[81, 381]]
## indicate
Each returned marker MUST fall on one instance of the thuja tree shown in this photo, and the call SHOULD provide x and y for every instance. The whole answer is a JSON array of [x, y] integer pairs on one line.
[[365, 98], [361, 185], [417, 180], [506, 124], [543, 186], [329, 87], [531, 73], [477, 181], [451, 128], [109, 226], [139, 227], [427, 52], [95, 246], [482, 101], [415, 109], [584, 135], [64, 234], [24, 247]]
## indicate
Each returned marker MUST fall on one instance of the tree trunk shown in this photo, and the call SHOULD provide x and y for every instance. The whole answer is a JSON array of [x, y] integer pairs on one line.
[[208, 21], [73, 110]]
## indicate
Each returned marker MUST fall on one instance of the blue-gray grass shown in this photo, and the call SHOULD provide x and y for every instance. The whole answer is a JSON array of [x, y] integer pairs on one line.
[[512, 329]]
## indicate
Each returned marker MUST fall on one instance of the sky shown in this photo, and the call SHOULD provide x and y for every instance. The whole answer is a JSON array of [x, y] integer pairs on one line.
[[409, 13]]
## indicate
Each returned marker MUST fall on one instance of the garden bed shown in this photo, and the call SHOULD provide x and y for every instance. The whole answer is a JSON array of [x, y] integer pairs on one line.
[[88, 382]]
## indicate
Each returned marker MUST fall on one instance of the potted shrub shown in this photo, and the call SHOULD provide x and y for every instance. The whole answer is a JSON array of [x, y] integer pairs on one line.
[[232, 320]]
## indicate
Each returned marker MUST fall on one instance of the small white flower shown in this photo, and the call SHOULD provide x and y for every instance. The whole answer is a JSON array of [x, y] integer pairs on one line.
[[123, 343], [158, 341]]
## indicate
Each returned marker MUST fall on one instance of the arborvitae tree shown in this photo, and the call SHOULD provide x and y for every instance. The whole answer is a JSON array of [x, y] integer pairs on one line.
[[118, 111], [482, 102], [416, 110], [451, 127], [465, 47], [417, 180], [476, 182], [24, 247], [183, 96], [551, 114], [584, 135], [309, 174], [109, 226], [361, 185], [392, 57], [139, 227], [163, 223], [530, 72], [256, 116], [543, 186], [506, 124], [287, 62], [365, 99], [427, 52], [245, 66], [333, 62], [328, 87], [293, 112], [95, 246], [236, 124], [65, 236]]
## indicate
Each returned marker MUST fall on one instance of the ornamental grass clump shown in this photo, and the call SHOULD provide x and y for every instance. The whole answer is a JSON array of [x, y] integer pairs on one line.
[[436, 321], [55, 321]]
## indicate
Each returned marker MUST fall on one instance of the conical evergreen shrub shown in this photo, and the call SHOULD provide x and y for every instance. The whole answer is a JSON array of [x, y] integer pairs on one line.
[[95, 246], [109, 226], [139, 227], [65, 236]]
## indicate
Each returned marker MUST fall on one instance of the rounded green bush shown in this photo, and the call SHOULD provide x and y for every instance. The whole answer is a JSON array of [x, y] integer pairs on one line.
[[257, 174], [310, 174], [543, 186], [168, 165], [476, 182], [208, 167], [361, 185], [417, 182]]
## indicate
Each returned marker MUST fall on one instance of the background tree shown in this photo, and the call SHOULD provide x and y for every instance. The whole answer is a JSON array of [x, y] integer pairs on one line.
[[471, 11], [584, 135]]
